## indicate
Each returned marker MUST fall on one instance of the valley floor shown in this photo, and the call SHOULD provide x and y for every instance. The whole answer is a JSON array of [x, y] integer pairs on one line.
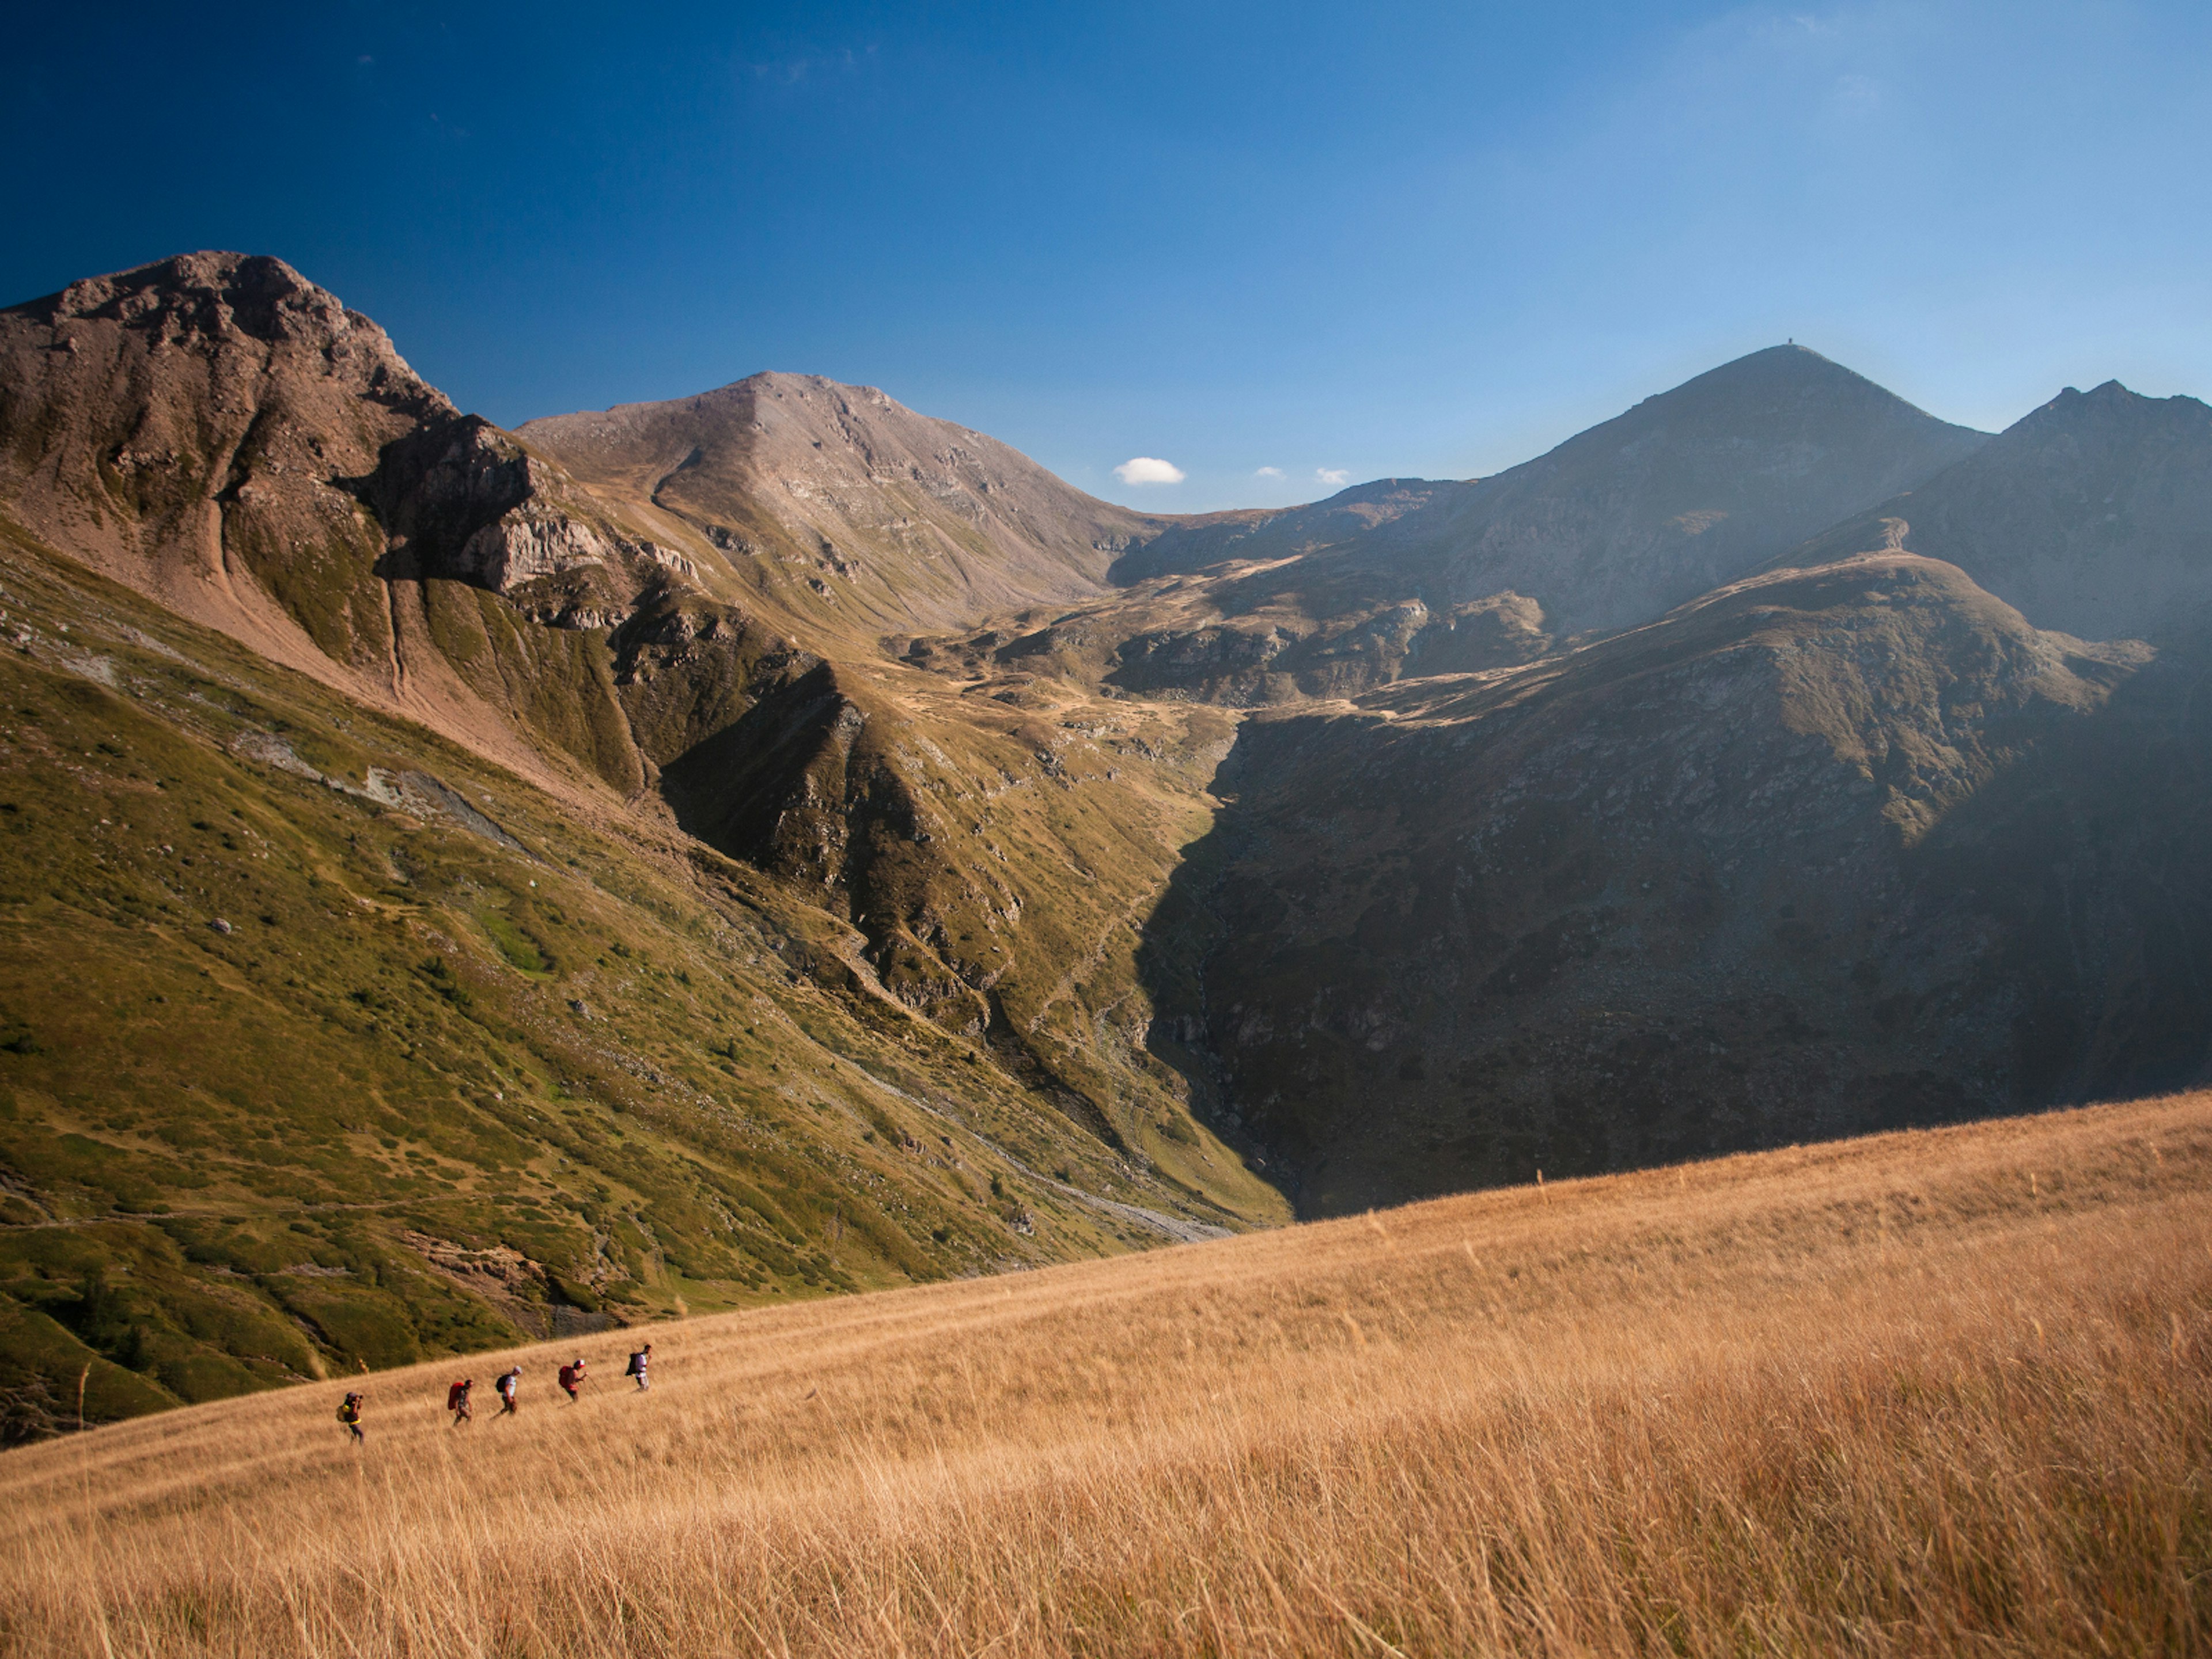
[[1933, 1392]]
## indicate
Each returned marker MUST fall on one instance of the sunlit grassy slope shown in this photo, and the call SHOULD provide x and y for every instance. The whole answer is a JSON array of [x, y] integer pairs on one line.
[[1939, 1392], [327, 1046]]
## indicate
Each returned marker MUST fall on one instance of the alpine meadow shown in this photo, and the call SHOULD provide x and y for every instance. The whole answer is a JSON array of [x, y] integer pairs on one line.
[[1928, 1392]]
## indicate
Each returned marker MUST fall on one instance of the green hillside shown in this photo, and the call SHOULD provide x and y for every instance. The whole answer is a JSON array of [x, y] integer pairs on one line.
[[325, 1045]]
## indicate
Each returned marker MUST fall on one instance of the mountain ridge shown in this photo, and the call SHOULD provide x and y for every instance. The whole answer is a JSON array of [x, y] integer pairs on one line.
[[864, 476], [1503, 532]]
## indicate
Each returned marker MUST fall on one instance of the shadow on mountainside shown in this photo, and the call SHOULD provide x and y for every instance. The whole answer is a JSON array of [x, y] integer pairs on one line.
[[1373, 1023], [2090, 863], [1180, 938]]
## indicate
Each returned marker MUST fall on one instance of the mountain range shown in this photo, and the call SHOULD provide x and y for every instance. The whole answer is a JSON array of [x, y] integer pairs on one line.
[[464, 882]]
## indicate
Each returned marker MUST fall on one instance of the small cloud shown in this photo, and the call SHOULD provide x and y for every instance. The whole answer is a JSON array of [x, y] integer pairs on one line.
[[1268, 472], [1148, 469], [1857, 93], [1335, 476]]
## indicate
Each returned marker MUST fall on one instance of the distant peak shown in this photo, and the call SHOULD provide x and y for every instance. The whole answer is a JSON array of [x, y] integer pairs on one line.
[[2109, 402], [1758, 386], [786, 383], [1790, 357]]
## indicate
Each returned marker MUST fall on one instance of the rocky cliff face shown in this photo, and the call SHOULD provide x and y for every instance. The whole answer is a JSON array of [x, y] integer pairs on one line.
[[2092, 514], [188, 427], [220, 434]]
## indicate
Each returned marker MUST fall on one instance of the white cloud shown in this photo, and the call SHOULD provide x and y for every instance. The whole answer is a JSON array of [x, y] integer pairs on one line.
[[1858, 95], [1268, 472], [1335, 476], [1148, 469]]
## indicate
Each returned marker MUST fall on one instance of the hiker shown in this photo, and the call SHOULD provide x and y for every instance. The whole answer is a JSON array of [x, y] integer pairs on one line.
[[572, 1376], [638, 1362], [457, 1401], [509, 1386], [349, 1414]]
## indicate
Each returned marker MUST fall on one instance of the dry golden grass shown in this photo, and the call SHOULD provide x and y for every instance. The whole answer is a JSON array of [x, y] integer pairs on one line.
[[1926, 1393]]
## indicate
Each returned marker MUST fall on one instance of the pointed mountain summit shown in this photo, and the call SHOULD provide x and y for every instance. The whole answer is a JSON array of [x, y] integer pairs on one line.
[[1689, 488], [2092, 515]]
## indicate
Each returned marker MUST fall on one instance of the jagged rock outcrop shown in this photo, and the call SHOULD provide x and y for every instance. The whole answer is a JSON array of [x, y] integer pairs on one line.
[[219, 433]]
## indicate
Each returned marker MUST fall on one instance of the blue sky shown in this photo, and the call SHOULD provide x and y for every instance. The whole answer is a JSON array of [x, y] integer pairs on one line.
[[1333, 241]]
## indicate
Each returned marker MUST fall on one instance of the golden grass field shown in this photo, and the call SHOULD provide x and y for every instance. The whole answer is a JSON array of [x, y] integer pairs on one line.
[[1942, 1392]]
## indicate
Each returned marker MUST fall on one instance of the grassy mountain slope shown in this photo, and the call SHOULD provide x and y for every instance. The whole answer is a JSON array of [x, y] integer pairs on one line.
[[455, 1066], [886, 920], [657, 613], [1929, 1392]]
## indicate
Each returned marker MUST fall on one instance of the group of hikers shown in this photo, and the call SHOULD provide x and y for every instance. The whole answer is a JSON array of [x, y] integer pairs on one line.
[[509, 1387]]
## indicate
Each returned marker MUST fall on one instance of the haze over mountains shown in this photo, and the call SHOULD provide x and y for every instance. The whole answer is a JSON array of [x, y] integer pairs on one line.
[[981, 874]]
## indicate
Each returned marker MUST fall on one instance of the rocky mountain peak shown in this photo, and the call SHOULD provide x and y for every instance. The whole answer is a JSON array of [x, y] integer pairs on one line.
[[1775, 405], [2117, 413], [1687, 490], [177, 424], [204, 301]]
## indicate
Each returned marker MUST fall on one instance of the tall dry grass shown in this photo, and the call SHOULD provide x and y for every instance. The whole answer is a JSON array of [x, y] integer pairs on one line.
[[1936, 1393]]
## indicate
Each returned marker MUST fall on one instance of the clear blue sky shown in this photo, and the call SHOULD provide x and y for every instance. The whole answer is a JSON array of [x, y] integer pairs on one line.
[[1351, 240]]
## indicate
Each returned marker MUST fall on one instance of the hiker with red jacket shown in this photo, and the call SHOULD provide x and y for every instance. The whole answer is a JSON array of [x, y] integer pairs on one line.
[[572, 1376], [457, 1401], [509, 1385]]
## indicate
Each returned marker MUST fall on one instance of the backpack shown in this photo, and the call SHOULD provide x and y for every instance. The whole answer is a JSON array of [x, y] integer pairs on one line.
[[636, 1365], [350, 1413]]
